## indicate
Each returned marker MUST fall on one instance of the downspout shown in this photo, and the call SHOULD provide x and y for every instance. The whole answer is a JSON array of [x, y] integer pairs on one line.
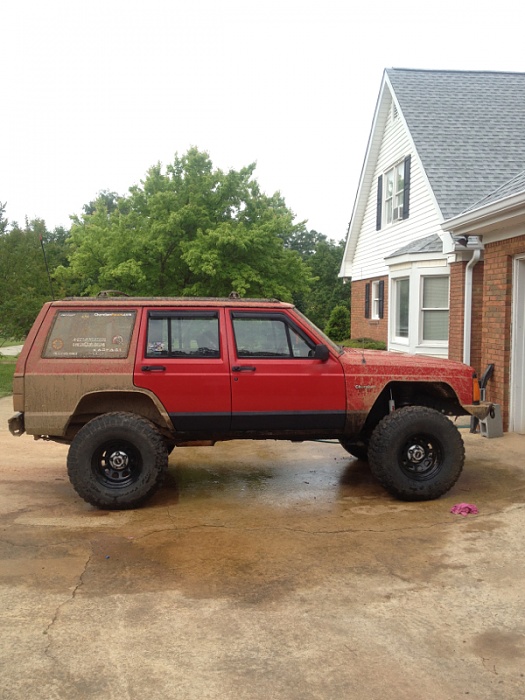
[[467, 323]]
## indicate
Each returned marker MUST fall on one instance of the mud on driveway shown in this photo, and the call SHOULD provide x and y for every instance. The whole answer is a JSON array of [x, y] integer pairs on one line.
[[262, 570]]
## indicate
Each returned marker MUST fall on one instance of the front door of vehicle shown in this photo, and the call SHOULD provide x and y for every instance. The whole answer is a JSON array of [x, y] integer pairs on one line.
[[185, 364], [277, 384]]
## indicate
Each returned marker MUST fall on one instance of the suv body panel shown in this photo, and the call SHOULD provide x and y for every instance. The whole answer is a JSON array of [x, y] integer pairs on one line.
[[224, 393]]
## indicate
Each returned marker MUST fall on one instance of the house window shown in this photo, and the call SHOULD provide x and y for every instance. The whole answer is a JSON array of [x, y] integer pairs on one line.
[[378, 291], [434, 308], [393, 194], [375, 299], [402, 291], [394, 191]]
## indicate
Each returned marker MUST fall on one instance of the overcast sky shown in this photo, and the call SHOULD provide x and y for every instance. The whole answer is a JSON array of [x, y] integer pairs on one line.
[[94, 93]]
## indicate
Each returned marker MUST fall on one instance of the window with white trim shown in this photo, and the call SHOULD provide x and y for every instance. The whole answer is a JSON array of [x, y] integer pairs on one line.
[[434, 308], [376, 300], [402, 297], [393, 194]]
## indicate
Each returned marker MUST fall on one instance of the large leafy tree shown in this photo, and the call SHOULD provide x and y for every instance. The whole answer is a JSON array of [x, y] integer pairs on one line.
[[188, 229], [24, 282], [323, 258]]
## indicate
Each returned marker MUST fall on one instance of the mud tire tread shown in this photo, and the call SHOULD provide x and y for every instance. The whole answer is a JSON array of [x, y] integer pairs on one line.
[[395, 430], [137, 431]]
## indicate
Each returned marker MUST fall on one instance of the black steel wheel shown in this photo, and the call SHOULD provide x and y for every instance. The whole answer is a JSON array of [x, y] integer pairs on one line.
[[117, 461], [416, 453]]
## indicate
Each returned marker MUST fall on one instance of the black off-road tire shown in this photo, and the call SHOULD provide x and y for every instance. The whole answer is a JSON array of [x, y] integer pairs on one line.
[[356, 448], [117, 461], [416, 453]]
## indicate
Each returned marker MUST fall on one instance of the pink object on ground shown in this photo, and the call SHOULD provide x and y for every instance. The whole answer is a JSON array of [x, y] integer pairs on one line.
[[464, 509]]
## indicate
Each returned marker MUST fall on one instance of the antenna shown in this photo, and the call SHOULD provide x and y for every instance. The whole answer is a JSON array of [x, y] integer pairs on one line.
[[47, 267]]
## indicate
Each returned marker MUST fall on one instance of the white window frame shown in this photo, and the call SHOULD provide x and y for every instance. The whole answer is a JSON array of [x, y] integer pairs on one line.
[[393, 201], [400, 339], [414, 271], [374, 294], [424, 275]]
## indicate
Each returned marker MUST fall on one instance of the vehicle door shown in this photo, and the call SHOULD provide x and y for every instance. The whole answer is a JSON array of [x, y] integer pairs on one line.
[[185, 363], [277, 383]]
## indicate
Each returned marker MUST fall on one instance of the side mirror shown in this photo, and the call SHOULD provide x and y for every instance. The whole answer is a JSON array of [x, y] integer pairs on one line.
[[321, 352]]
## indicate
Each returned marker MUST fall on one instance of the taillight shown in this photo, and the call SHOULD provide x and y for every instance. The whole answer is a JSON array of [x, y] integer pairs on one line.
[[476, 391]]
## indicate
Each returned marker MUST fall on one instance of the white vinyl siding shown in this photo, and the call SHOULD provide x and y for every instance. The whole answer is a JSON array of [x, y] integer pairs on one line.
[[373, 246]]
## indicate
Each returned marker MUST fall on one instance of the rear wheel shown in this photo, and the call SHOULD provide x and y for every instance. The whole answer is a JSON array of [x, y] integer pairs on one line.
[[117, 461], [416, 453]]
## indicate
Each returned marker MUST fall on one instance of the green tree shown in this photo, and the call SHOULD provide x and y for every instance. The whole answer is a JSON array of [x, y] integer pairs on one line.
[[24, 284], [187, 229], [338, 326]]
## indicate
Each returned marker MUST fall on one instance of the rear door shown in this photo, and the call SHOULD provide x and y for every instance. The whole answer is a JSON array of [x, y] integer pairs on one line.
[[183, 360], [277, 384]]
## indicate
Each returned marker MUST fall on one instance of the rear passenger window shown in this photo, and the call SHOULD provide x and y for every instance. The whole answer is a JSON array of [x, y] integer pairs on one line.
[[183, 335], [90, 334]]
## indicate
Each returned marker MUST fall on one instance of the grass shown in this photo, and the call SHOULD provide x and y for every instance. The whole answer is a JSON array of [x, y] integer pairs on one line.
[[7, 369]]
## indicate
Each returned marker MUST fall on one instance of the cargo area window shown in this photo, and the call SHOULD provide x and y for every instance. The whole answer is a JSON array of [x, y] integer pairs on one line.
[[271, 337], [183, 334], [90, 334]]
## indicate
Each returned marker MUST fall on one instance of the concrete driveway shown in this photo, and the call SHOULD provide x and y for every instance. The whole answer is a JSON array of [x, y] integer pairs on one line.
[[262, 571]]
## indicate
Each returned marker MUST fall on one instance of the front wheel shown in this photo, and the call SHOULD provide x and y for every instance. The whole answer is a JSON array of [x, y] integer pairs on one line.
[[117, 461], [416, 453]]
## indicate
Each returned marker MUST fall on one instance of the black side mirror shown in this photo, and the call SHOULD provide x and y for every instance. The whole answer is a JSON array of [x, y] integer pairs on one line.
[[321, 352]]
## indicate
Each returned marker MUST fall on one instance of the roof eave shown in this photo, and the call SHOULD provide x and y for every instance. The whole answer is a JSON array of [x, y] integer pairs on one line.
[[487, 218]]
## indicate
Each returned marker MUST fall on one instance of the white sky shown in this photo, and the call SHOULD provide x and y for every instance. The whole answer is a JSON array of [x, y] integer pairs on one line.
[[94, 93]]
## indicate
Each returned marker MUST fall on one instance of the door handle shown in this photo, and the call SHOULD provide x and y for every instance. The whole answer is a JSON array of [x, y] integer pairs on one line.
[[243, 368], [153, 368]]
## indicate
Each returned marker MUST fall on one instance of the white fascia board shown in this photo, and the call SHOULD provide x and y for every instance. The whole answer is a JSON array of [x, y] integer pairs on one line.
[[413, 258], [363, 188], [486, 218]]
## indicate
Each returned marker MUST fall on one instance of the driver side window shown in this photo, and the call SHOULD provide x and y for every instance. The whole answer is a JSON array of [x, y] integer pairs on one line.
[[269, 338]]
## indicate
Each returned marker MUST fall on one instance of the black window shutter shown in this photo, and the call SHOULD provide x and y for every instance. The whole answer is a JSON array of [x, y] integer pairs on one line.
[[367, 300], [379, 202], [406, 193], [381, 303]]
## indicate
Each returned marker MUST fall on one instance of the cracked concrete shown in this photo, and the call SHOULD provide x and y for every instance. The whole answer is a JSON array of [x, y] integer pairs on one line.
[[262, 570]]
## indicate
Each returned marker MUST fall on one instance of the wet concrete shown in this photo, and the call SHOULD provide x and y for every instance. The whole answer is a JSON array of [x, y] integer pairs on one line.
[[262, 570]]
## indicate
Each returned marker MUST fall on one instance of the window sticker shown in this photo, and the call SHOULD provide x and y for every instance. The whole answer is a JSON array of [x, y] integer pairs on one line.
[[90, 334]]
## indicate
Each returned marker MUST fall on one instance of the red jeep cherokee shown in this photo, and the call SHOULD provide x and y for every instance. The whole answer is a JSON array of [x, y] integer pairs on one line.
[[125, 380]]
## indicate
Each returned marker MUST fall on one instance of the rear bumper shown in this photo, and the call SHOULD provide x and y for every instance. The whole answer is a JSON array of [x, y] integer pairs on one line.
[[16, 424], [479, 411]]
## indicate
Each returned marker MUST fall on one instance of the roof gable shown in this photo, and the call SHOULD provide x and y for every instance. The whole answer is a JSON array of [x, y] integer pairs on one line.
[[467, 127]]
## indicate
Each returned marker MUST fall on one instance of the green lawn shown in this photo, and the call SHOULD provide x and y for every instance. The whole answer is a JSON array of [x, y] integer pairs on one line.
[[7, 369]]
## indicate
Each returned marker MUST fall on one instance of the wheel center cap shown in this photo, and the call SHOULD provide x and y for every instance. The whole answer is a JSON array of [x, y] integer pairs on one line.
[[416, 453], [119, 460]]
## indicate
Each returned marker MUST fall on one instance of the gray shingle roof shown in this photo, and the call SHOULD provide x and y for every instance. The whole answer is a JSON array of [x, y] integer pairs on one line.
[[513, 186], [468, 128], [429, 244]]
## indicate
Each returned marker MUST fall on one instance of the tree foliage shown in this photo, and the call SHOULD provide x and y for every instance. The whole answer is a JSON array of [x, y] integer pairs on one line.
[[24, 283], [190, 229], [338, 326]]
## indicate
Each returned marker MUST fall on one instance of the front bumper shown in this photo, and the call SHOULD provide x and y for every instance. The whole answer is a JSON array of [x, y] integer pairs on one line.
[[479, 411], [16, 424]]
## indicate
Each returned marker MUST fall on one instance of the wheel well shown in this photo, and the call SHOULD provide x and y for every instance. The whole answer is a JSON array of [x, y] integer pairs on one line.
[[436, 395], [95, 404]]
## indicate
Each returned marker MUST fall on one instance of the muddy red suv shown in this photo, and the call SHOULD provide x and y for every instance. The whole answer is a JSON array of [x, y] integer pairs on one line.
[[125, 380]]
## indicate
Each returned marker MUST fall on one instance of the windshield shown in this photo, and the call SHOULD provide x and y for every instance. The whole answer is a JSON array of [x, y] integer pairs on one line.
[[326, 339]]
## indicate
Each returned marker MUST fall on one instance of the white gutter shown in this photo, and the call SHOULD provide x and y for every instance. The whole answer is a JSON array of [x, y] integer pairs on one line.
[[467, 323]]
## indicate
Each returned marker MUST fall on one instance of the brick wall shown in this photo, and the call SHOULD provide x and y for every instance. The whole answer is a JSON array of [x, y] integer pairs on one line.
[[497, 309], [457, 313], [362, 327]]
